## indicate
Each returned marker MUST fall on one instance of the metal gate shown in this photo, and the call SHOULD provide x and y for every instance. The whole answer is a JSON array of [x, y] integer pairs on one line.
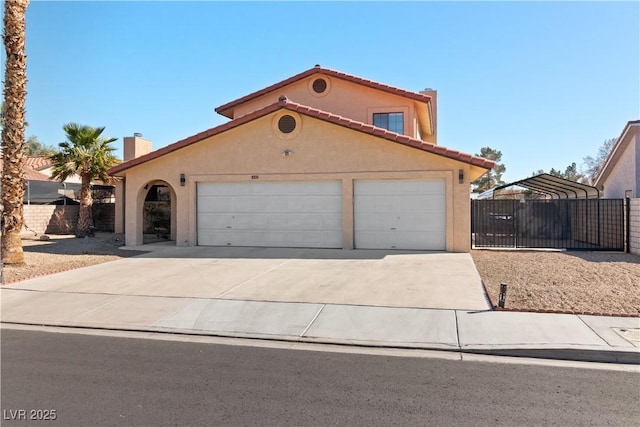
[[588, 224]]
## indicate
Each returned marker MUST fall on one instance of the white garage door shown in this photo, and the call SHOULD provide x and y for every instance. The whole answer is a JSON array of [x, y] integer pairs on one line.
[[400, 214], [279, 214]]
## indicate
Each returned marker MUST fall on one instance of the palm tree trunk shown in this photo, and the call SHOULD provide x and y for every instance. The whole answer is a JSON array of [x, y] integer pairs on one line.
[[15, 93], [85, 218]]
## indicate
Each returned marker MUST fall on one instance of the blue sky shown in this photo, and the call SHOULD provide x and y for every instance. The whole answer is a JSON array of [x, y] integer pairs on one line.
[[544, 82]]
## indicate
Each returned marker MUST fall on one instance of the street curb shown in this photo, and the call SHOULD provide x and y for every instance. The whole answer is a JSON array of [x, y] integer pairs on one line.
[[567, 354], [575, 355]]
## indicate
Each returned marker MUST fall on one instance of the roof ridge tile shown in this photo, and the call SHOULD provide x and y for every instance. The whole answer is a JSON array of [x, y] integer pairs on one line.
[[327, 71]]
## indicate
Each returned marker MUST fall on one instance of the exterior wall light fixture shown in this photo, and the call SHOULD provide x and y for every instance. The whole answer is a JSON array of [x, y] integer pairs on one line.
[[461, 176], [183, 180]]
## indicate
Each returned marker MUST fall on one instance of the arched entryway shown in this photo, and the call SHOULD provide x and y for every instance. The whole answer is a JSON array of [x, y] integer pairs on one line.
[[158, 213]]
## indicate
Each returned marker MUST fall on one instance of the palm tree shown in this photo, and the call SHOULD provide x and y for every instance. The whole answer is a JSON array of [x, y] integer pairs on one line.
[[86, 154], [15, 93], [2, 117]]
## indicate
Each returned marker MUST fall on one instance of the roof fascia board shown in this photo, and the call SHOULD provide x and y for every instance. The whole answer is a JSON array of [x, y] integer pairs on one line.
[[604, 172]]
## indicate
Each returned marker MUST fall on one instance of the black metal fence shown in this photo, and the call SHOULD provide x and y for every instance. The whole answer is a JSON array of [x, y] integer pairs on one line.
[[589, 224]]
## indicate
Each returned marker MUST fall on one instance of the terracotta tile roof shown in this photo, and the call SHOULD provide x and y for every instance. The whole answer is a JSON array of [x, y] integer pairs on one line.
[[33, 175], [30, 174], [284, 103], [227, 109], [37, 162]]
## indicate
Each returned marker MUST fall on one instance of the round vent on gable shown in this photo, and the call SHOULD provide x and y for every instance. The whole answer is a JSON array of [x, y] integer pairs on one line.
[[319, 85], [287, 124]]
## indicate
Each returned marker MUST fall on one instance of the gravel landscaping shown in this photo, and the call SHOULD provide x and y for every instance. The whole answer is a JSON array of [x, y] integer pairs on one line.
[[62, 253], [571, 281]]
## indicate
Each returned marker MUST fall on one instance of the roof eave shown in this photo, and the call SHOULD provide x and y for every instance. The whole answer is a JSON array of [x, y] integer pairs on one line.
[[283, 103], [615, 153]]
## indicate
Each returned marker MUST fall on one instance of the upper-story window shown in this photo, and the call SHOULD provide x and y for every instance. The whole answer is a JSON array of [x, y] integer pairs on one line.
[[390, 121]]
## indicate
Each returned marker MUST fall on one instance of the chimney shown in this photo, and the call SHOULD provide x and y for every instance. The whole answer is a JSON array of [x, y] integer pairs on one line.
[[135, 146], [433, 113]]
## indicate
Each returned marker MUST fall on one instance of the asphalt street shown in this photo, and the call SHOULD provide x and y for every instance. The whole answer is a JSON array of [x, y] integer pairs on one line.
[[96, 380]]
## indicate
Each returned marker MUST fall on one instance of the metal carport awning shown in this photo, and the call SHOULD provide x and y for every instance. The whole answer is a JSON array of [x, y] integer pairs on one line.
[[554, 186]]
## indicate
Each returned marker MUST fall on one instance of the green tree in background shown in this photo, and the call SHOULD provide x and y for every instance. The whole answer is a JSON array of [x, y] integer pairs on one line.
[[595, 164], [492, 178], [571, 173], [33, 147], [86, 154]]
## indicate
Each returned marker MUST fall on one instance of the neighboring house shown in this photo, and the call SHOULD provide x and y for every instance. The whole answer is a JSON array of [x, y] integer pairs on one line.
[[321, 159], [39, 189], [620, 175]]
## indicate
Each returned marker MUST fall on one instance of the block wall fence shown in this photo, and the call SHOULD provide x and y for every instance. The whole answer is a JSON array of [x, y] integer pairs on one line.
[[634, 226], [61, 219]]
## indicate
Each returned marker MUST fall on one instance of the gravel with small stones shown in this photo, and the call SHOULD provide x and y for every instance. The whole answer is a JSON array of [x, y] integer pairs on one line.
[[571, 281], [62, 253]]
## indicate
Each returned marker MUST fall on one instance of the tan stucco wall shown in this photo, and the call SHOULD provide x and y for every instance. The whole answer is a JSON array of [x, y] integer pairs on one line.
[[73, 179], [135, 146], [346, 99], [624, 174], [321, 151]]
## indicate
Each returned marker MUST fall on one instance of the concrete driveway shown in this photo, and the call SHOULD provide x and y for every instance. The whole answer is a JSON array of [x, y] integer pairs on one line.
[[360, 277]]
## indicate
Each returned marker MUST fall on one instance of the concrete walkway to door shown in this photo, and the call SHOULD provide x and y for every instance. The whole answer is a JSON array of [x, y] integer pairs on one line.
[[330, 276]]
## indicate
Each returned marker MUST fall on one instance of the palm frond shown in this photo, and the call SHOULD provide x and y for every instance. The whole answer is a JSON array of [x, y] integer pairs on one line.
[[85, 153]]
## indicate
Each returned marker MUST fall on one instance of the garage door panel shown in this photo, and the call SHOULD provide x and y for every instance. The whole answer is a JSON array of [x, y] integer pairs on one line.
[[215, 221], [286, 214], [420, 222], [212, 204], [401, 240], [400, 214], [222, 204], [383, 222], [267, 238], [389, 203], [391, 187]]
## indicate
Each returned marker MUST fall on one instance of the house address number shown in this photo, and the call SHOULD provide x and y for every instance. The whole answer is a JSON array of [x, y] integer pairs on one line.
[[255, 177]]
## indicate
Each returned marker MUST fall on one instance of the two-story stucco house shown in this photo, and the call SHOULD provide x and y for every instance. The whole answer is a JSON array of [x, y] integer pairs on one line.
[[322, 159], [620, 175]]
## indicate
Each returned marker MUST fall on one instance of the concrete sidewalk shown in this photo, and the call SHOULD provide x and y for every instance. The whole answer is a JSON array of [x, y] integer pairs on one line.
[[391, 299], [556, 336]]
